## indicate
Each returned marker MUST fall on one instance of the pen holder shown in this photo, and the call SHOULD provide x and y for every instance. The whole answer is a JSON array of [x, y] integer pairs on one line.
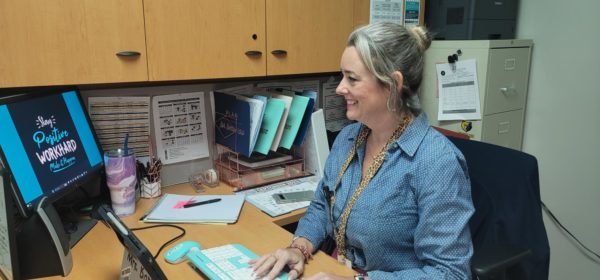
[[150, 190]]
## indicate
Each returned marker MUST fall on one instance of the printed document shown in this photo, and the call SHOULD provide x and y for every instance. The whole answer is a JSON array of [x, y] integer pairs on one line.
[[263, 197], [180, 127], [458, 91], [115, 116], [334, 106], [386, 10]]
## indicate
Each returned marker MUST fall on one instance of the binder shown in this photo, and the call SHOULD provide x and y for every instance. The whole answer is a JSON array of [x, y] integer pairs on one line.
[[305, 122], [293, 120], [287, 101], [270, 123], [232, 123]]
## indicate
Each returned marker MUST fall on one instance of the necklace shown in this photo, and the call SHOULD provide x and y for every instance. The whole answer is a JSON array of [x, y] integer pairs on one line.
[[340, 233]]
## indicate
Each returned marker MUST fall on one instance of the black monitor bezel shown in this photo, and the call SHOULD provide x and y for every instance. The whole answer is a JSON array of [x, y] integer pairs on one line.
[[25, 94]]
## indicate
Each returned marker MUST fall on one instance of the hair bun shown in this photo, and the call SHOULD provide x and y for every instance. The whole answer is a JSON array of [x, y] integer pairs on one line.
[[422, 37]]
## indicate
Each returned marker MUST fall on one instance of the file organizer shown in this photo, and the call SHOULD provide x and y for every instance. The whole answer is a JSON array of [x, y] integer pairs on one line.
[[241, 177]]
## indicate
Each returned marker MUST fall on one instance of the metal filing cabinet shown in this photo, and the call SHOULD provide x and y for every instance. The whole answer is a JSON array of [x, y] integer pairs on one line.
[[503, 76]]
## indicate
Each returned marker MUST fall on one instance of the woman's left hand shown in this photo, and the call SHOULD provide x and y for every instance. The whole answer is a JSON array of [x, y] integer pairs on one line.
[[271, 264]]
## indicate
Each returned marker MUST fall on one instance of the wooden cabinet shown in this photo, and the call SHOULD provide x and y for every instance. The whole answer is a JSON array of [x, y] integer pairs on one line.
[[76, 41], [71, 42], [311, 33], [201, 39]]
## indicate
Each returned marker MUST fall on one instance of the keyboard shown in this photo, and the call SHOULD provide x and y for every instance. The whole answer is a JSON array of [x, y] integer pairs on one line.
[[228, 262]]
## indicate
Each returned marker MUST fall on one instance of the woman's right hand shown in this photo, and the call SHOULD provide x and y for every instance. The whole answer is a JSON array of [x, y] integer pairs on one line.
[[270, 265]]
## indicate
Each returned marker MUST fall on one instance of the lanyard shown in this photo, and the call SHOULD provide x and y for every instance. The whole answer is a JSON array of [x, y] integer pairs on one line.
[[340, 233]]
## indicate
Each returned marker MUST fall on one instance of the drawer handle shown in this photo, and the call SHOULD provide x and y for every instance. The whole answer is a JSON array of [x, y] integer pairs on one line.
[[508, 91], [279, 52], [254, 53], [128, 54]]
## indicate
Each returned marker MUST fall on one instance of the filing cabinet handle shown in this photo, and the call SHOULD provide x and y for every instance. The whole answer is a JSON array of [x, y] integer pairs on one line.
[[254, 53], [508, 91], [128, 54], [279, 52]]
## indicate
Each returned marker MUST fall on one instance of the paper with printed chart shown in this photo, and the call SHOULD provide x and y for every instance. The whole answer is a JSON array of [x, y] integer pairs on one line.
[[115, 116], [180, 127], [458, 91]]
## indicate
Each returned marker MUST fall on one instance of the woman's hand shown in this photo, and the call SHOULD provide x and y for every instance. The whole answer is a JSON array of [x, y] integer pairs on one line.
[[270, 265]]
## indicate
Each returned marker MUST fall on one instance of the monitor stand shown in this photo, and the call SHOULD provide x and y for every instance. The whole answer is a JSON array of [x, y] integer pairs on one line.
[[75, 230]]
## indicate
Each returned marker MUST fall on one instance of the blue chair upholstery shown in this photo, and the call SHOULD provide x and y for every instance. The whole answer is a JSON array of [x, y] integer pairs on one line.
[[508, 232]]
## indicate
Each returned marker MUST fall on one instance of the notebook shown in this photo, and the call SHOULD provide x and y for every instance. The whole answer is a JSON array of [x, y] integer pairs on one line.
[[170, 209]]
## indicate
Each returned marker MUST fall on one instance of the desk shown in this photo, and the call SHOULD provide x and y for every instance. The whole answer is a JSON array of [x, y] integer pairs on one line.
[[99, 253]]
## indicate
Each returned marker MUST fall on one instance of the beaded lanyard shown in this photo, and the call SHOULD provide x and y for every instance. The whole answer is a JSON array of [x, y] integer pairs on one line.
[[340, 234]]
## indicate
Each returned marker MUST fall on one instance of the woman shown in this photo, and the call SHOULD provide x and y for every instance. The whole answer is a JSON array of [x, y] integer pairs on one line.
[[396, 190]]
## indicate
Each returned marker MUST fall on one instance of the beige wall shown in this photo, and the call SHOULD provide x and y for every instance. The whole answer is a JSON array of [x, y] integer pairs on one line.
[[562, 124]]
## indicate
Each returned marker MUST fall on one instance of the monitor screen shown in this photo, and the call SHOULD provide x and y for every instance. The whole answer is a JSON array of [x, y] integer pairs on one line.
[[47, 144]]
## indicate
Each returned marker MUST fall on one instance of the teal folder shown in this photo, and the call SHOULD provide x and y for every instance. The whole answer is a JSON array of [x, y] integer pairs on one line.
[[270, 123], [294, 119], [305, 122]]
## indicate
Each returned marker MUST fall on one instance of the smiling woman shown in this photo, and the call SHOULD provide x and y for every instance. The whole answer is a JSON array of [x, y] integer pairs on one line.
[[390, 160]]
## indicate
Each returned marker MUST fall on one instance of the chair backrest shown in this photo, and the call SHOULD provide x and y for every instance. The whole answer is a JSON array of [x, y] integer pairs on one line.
[[506, 195]]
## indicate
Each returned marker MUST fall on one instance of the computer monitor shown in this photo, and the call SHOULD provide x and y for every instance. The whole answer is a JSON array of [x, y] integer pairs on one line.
[[48, 145]]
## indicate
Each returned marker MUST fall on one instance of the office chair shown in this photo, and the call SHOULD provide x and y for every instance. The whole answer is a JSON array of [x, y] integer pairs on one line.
[[509, 237]]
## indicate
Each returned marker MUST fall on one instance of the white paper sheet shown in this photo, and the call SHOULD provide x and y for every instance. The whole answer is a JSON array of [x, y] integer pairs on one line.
[[334, 106], [386, 10], [263, 197], [180, 127], [458, 91], [115, 116], [6, 264]]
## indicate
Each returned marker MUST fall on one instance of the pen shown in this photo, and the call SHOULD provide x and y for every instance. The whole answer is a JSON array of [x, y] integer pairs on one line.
[[201, 203]]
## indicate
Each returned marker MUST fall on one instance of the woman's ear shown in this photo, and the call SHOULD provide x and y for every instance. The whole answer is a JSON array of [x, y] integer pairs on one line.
[[399, 78]]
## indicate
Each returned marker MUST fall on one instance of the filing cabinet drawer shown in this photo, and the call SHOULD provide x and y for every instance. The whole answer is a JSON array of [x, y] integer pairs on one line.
[[503, 129], [508, 74]]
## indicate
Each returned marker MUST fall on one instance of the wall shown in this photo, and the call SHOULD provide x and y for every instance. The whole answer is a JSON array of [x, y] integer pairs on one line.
[[562, 124]]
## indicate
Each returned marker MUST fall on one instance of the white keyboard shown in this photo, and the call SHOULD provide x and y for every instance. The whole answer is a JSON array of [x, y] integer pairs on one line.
[[228, 262]]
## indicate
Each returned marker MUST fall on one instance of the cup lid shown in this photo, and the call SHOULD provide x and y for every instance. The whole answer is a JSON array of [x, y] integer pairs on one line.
[[119, 153]]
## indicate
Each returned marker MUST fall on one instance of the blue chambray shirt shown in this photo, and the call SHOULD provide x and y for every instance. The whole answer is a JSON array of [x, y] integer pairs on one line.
[[411, 221]]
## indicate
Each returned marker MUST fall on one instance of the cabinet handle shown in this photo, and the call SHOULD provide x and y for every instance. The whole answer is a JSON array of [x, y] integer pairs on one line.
[[128, 54], [254, 53], [508, 91], [279, 52]]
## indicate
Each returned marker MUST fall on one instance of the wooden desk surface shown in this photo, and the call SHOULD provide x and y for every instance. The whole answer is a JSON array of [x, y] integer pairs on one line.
[[99, 253]]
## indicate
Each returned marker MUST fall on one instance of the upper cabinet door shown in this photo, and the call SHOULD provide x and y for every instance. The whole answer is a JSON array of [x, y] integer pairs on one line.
[[71, 42], [307, 36], [205, 39]]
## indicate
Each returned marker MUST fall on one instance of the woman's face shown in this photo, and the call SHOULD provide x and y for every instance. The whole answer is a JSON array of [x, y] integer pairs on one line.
[[366, 98]]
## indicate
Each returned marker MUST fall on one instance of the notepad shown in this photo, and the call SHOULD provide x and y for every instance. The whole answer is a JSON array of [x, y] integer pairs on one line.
[[169, 209]]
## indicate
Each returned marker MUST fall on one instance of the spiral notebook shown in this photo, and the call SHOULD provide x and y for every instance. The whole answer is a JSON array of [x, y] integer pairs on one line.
[[170, 209]]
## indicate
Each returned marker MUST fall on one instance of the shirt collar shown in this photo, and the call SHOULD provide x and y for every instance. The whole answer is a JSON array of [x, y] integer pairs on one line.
[[414, 134], [410, 140]]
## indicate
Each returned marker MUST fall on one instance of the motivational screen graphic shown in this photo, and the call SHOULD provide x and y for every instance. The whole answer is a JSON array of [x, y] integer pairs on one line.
[[50, 140]]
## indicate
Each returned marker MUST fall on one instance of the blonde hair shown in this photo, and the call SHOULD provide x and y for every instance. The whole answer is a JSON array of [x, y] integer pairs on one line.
[[386, 47]]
